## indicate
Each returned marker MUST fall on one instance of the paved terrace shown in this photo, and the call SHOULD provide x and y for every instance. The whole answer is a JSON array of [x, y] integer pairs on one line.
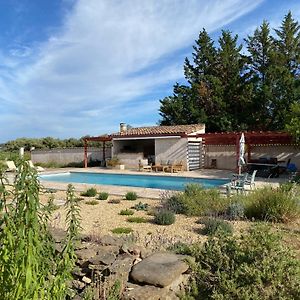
[[148, 192]]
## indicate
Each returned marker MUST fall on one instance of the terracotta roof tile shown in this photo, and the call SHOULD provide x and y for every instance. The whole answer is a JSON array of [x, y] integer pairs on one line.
[[160, 130]]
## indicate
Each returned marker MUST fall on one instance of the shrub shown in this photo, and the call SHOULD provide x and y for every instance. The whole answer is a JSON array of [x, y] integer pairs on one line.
[[103, 196], [175, 203], [122, 230], [131, 196], [126, 212], [196, 201], [113, 162], [114, 201], [273, 204], [164, 217], [181, 248], [136, 220], [141, 206], [235, 211], [256, 265], [92, 202], [213, 226], [30, 266], [91, 192]]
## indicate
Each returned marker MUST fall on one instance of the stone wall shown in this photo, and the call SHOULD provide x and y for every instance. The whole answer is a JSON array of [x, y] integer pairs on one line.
[[69, 155]]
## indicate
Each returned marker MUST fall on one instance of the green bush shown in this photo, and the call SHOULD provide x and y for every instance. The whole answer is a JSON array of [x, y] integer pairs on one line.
[[136, 220], [103, 196], [197, 201], [113, 162], [235, 211], [181, 248], [255, 265], [91, 192], [131, 196], [141, 206], [164, 217], [122, 230], [126, 212], [273, 204], [92, 202], [213, 226]]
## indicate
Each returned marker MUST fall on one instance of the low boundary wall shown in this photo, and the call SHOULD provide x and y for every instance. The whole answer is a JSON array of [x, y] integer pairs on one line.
[[69, 155]]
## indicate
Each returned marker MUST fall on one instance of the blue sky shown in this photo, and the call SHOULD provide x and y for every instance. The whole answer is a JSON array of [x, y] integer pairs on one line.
[[74, 67]]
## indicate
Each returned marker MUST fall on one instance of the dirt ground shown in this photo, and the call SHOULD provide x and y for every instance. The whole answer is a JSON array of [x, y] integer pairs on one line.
[[100, 219]]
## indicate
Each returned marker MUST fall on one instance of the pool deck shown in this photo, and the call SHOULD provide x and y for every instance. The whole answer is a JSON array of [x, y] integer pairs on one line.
[[147, 192]]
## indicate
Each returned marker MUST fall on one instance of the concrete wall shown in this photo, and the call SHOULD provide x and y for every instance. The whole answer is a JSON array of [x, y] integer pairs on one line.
[[69, 155], [226, 154], [171, 149], [130, 160]]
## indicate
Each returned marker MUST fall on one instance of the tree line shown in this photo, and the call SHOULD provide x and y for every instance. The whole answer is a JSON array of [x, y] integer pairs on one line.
[[231, 89], [45, 143]]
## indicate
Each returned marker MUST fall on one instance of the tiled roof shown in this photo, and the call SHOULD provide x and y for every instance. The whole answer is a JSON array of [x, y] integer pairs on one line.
[[160, 130]]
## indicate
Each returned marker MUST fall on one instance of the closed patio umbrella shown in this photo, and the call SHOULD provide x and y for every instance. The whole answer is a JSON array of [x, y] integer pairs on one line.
[[241, 160]]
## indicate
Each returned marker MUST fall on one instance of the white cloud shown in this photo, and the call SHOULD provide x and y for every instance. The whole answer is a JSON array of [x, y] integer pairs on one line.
[[107, 55]]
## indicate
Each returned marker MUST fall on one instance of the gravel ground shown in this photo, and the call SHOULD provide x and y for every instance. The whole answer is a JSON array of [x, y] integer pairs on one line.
[[100, 219]]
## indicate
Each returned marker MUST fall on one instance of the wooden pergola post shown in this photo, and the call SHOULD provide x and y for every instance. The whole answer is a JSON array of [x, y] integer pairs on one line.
[[85, 154]]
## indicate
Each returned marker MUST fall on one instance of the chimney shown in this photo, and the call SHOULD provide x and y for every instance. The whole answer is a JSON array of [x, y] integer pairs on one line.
[[123, 127]]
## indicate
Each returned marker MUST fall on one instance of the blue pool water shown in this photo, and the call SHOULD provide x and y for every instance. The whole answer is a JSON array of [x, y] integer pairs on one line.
[[145, 181]]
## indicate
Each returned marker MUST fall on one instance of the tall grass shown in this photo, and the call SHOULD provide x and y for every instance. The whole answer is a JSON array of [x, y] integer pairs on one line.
[[29, 266], [273, 204]]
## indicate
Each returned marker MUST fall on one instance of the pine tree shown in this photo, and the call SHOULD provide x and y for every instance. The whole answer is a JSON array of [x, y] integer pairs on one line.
[[231, 72], [287, 69], [261, 48]]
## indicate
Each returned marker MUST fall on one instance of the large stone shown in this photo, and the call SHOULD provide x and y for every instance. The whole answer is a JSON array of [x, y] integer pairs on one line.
[[149, 292], [86, 254], [110, 240], [159, 269], [103, 258]]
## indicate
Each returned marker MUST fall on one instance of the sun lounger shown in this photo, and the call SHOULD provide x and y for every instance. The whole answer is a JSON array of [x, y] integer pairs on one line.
[[11, 167], [38, 168]]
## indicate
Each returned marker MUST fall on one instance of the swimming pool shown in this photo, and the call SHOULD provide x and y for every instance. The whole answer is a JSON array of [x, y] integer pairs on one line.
[[145, 181]]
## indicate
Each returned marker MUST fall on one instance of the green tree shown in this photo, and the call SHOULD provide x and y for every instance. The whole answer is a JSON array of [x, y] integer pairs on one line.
[[231, 72], [287, 66], [261, 49], [293, 123]]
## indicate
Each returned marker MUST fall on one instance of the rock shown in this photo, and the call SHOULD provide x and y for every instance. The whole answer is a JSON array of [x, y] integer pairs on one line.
[[78, 285], [86, 280], [149, 292], [85, 254], [103, 258], [159, 269], [122, 267], [108, 248], [78, 272], [110, 240]]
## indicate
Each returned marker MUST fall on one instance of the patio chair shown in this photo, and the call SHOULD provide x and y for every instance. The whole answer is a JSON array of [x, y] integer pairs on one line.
[[176, 167], [11, 167], [38, 168], [161, 167], [251, 181], [238, 182], [144, 167]]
